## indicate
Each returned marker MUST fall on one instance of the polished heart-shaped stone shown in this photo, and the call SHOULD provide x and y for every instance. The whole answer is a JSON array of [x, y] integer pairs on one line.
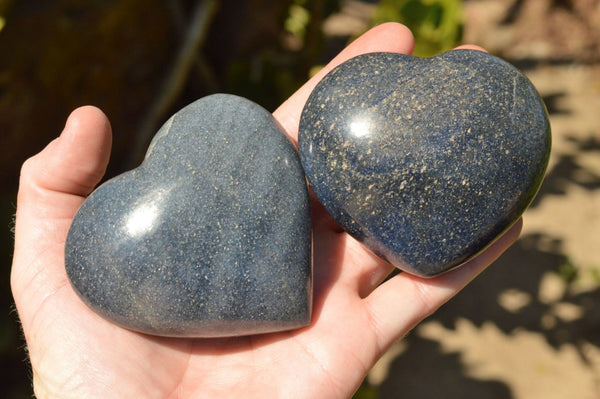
[[426, 161], [209, 237]]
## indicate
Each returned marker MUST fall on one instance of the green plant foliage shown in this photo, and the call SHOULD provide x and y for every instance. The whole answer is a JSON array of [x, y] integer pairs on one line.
[[572, 273], [568, 271], [366, 391], [436, 24], [298, 19], [595, 274]]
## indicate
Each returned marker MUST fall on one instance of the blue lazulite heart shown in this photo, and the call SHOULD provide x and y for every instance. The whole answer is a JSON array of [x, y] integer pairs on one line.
[[426, 161], [210, 236]]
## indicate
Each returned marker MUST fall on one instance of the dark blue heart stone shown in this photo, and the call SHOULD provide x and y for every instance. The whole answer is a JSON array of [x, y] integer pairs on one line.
[[426, 161], [210, 236]]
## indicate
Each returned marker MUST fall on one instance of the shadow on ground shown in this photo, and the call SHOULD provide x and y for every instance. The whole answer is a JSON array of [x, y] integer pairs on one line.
[[425, 370]]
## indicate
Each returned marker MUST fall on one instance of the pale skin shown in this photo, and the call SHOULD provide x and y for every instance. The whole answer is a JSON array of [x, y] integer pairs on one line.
[[76, 354]]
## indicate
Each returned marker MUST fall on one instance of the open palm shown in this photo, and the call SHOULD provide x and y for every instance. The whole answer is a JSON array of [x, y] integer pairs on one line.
[[75, 353]]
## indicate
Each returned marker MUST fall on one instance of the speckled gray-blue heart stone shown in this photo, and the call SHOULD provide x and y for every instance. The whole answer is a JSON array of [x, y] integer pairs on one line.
[[426, 161], [209, 237]]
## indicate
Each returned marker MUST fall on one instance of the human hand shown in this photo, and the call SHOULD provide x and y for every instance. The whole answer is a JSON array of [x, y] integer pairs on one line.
[[76, 353]]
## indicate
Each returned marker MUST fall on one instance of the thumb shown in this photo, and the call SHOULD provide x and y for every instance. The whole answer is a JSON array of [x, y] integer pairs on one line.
[[70, 165], [52, 186]]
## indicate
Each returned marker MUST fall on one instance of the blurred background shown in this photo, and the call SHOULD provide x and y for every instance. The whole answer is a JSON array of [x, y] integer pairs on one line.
[[529, 327]]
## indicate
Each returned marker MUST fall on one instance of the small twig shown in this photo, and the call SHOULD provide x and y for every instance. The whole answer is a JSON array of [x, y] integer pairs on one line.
[[177, 77], [201, 66]]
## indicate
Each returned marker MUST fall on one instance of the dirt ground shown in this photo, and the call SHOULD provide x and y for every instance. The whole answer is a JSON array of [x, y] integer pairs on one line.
[[529, 327]]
